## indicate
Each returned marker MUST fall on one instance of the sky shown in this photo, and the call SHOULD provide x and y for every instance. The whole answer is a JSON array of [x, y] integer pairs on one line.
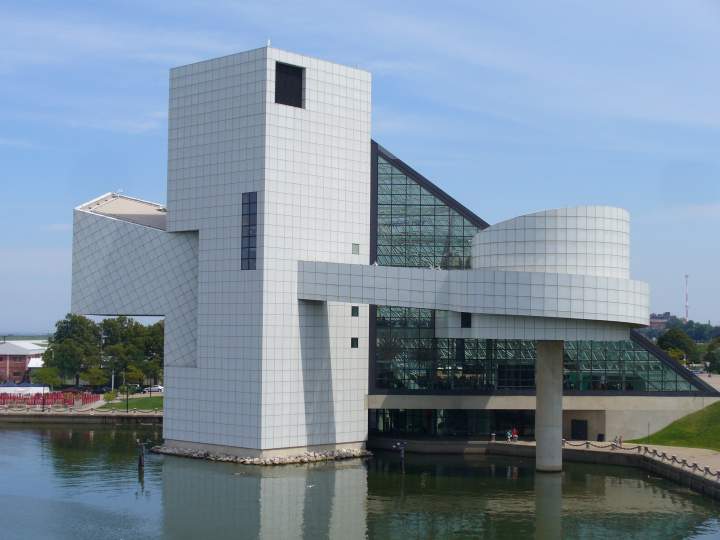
[[509, 106]]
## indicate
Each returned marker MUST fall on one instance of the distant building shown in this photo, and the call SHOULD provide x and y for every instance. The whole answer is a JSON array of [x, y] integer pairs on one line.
[[17, 358], [23, 389], [659, 321]]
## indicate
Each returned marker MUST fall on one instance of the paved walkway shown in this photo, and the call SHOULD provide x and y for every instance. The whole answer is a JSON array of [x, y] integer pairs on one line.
[[713, 381], [701, 456]]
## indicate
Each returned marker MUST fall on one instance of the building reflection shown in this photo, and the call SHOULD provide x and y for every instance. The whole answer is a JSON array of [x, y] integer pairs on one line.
[[432, 496], [548, 505], [215, 500]]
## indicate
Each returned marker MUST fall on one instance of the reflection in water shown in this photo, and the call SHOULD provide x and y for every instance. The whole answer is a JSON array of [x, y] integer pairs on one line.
[[77, 450], [85, 483], [214, 500], [548, 505]]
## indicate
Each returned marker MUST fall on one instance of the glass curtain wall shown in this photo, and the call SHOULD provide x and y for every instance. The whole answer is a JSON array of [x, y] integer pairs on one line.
[[415, 228], [459, 423]]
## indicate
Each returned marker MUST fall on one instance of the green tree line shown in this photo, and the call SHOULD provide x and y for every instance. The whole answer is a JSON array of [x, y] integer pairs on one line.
[[683, 348], [83, 349], [697, 331]]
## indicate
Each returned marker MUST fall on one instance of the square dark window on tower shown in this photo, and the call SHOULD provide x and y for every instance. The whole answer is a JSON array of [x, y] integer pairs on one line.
[[465, 320], [355, 311], [354, 343], [289, 84]]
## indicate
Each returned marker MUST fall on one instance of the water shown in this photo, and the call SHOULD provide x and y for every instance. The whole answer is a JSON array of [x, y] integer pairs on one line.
[[78, 483]]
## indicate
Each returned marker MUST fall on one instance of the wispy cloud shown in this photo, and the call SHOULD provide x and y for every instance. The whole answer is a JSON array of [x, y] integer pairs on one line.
[[133, 124], [34, 39], [15, 143]]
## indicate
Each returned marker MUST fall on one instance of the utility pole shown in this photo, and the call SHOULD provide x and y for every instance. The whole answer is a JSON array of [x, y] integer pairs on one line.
[[687, 305]]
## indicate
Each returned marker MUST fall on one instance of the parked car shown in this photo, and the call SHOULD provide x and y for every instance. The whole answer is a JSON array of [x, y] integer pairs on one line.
[[157, 388]]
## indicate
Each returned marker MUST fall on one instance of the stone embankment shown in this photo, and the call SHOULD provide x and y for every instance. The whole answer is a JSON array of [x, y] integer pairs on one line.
[[673, 463], [307, 457], [57, 414]]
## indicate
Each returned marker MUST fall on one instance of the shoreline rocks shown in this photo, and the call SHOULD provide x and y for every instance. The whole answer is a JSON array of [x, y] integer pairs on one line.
[[305, 457]]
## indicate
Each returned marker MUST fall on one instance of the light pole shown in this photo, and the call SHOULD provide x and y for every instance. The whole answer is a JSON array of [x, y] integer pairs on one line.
[[127, 393]]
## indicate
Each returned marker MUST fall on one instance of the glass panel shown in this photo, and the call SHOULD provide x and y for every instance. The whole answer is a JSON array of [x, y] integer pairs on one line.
[[416, 229]]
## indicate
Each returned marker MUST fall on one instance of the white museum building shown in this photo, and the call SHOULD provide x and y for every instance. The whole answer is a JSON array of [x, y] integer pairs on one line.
[[319, 293]]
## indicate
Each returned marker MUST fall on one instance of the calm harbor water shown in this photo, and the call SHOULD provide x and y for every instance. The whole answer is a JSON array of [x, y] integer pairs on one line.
[[81, 483]]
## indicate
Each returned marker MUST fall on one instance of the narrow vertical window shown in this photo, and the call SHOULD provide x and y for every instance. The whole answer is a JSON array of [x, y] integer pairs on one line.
[[355, 311], [249, 231], [354, 343], [356, 249], [465, 320], [289, 84]]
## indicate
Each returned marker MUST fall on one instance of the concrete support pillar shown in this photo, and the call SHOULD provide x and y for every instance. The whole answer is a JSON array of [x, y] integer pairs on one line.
[[548, 408]]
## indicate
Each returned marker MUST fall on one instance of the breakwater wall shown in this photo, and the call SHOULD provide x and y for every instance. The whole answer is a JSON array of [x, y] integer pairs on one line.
[[666, 465], [80, 418]]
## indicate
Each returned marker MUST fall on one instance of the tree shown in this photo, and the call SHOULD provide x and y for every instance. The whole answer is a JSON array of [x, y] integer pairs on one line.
[[47, 376], [74, 347], [152, 370], [122, 331], [677, 339], [677, 355], [81, 347], [713, 360], [134, 375], [67, 358], [121, 356], [95, 376]]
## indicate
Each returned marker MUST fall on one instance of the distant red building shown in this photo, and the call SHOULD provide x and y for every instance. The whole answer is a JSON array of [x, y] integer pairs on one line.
[[17, 358], [659, 321]]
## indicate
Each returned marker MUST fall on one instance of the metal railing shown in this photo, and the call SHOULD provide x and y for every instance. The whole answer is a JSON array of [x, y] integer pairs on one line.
[[654, 454]]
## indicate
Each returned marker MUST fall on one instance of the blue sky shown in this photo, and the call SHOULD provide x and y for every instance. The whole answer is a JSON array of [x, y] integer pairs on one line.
[[510, 106]]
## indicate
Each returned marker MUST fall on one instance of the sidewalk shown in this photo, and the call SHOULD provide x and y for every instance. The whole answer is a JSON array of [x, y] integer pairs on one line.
[[713, 381], [696, 468], [701, 456]]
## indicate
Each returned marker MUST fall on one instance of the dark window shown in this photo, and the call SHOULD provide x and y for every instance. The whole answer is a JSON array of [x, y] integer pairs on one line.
[[353, 343], [355, 311], [289, 84], [465, 320], [356, 249], [248, 254]]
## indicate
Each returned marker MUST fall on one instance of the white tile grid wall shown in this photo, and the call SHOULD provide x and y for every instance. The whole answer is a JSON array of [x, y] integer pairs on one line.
[[447, 324], [122, 268], [216, 152], [317, 157], [590, 240], [317, 206], [479, 291]]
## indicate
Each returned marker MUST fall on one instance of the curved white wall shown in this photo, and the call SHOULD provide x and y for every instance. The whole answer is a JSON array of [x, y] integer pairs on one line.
[[587, 240]]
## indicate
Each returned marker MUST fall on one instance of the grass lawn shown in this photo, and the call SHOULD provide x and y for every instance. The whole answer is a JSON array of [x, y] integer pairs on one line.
[[700, 429], [144, 403]]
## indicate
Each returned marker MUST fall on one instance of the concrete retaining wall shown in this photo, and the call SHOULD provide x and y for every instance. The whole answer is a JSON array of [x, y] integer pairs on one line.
[[426, 446], [75, 418], [704, 486]]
